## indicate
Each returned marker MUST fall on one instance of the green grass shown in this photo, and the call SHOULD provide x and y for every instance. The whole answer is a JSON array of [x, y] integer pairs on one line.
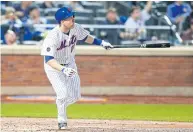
[[104, 111]]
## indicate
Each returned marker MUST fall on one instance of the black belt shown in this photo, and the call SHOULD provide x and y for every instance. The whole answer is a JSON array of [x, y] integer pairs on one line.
[[64, 64]]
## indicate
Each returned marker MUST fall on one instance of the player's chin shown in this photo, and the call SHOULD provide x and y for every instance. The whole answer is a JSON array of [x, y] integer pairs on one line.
[[72, 25]]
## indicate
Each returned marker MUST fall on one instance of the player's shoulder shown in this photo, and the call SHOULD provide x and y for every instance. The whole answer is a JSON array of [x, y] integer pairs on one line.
[[53, 33], [77, 26]]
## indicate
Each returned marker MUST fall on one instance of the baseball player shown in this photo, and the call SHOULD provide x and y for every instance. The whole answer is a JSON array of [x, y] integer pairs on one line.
[[58, 50]]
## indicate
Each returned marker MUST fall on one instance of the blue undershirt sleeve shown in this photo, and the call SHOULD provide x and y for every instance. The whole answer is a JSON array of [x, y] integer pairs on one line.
[[97, 41], [47, 58]]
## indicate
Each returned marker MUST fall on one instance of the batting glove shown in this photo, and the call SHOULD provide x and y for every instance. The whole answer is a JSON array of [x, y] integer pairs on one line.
[[106, 45], [69, 72]]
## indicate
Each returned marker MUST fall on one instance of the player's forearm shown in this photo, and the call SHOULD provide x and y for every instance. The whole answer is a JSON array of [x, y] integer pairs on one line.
[[54, 64], [89, 39]]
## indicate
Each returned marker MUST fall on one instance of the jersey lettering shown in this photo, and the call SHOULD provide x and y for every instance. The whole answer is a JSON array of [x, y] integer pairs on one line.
[[73, 42], [62, 45]]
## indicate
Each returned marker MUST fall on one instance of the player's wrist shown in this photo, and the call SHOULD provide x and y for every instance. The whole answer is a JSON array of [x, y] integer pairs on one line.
[[63, 69], [97, 41]]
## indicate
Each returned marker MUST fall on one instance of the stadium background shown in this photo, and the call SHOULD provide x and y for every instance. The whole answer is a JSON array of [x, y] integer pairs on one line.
[[30, 21], [124, 68], [162, 75]]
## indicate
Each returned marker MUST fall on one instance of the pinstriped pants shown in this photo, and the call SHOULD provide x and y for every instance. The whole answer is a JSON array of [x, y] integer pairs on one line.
[[67, 89]]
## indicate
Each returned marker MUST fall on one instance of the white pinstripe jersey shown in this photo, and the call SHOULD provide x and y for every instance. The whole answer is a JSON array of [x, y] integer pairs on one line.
[[62, 46]]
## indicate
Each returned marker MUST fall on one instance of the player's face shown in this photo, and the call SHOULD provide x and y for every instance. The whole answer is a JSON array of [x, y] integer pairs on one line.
[[69, 22]]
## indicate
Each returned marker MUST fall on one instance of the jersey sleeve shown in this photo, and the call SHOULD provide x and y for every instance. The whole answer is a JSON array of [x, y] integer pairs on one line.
[[49, 47], [81, 32]]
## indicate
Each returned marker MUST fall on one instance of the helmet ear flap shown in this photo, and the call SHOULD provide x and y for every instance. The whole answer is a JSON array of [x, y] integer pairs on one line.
[[73, 14]]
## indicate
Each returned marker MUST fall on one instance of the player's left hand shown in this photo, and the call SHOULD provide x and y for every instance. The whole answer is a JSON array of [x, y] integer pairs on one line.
[[106, 45], [69, 72]]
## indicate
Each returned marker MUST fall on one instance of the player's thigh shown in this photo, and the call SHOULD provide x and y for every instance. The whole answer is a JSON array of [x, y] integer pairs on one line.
[[74, 87], [74, 92], [74, 82], [58, 81]]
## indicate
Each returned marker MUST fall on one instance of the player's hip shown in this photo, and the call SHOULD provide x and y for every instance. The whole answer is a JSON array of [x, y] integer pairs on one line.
[[69, 65], [65, 59]]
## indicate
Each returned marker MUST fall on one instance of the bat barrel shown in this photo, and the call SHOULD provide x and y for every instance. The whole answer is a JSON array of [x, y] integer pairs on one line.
[[146, 44]]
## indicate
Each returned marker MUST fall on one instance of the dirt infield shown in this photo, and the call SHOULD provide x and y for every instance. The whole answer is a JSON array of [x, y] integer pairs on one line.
[[82, 125]]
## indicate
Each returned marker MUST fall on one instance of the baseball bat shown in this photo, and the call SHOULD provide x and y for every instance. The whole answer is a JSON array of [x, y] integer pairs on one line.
[[145, 45]]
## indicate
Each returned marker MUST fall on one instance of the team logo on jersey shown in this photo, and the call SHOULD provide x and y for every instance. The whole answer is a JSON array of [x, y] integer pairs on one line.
[[63, 45], [71, 43], [48, 49], [73, 40]]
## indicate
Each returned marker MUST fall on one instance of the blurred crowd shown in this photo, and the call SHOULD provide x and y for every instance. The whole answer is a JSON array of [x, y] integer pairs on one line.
[[18, 18]]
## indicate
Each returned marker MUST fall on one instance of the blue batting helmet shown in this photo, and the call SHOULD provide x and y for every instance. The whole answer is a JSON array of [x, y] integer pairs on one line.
[[63, 13]]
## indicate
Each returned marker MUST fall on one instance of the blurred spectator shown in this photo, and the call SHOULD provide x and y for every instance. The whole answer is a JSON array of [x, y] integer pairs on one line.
[[10, 18], [188, 34], [10, 38], [112, 17], [136, 21], [5, 4], [111, 35], [75, 5], [177, 12], [10, 22], [22, 10], [123, 19], [47, 4], [35, 18], [187, 21]]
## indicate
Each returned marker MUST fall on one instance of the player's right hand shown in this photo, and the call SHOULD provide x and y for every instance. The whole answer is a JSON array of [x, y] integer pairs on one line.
[[69, 72], [106, 45]]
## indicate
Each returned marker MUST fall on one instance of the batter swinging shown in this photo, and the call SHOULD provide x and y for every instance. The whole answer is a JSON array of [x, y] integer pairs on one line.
[[59, 64]]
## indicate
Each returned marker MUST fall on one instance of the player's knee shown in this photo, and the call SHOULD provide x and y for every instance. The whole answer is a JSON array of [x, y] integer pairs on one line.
[[61, 95], [60, 100]]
